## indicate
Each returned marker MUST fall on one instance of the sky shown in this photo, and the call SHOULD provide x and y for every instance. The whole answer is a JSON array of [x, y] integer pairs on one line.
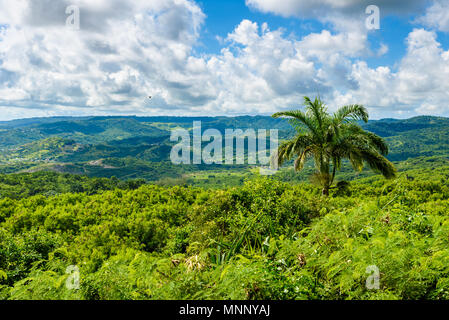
[[210, 57]]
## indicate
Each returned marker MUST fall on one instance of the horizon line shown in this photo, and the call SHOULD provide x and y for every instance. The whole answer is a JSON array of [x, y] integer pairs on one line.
[[191, 116]]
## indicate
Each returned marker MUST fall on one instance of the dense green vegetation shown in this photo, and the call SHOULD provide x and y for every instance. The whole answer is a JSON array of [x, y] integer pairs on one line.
[[50, 183], [264, 240], [99, 194], [139, 147]]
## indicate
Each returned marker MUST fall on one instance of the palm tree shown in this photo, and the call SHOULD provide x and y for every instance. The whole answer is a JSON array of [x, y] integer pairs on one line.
[[329, 138]]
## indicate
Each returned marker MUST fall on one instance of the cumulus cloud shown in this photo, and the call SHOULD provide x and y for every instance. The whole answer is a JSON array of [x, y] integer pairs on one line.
[[437, 16], [123, 52], [418, 86], [263, 71], [126, 51]]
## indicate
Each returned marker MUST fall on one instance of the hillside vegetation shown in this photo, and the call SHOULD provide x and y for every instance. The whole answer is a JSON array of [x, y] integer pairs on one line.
[[264, 240], [98, 196], [139, 147]]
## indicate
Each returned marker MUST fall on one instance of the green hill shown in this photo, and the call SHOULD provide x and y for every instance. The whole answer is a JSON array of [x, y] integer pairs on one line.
[[139, 147]]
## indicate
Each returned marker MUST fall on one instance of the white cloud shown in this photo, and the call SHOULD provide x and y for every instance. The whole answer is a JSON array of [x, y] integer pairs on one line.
[[418, 87], [119, 60], [126, 52], [437, 16], [266, 71], [122, 54]]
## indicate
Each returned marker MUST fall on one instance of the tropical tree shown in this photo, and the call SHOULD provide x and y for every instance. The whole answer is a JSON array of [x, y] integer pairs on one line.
[[329, 138]]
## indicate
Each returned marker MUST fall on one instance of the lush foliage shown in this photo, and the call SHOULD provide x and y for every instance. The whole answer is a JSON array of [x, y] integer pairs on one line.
[[215, 232], [265, 240], [24, 185]]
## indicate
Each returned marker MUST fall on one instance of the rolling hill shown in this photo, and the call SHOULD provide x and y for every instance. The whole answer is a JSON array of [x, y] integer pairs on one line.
[[139, 147]]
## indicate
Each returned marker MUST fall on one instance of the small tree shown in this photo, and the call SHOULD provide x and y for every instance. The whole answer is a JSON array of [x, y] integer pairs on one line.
[[329, 138]]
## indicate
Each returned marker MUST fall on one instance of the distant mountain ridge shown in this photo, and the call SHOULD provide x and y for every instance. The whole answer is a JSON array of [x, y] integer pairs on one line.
[[391, 127], [135, 147]]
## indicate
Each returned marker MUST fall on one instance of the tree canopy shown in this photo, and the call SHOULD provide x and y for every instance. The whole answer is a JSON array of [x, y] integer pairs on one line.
[[329, 138]]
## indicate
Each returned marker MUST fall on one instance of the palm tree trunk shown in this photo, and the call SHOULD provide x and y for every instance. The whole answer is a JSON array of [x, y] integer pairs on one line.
[[329, 183], [324, 168], [333, 175]]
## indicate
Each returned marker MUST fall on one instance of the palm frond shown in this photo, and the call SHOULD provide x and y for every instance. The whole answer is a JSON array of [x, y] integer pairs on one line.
[[359, 153], [317, 109], [352, 112], [288, 149], [301, 160], [379, 164], [329, 139], [298, 116], [355, 133]]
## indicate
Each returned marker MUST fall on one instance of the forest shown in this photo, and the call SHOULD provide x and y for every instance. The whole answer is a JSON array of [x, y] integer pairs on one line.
[[90, 209], [264, 240]]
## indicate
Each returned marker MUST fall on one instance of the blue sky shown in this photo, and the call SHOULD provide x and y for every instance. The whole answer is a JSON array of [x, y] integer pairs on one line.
[[228, 57], [223, 16]]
